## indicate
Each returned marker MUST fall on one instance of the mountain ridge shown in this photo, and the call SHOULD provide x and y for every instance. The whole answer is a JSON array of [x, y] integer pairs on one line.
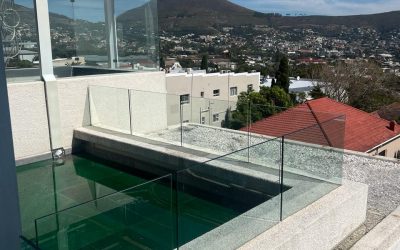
[[205, 15]]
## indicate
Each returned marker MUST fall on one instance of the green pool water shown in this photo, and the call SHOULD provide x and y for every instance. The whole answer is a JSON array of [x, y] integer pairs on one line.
[[90, 204]]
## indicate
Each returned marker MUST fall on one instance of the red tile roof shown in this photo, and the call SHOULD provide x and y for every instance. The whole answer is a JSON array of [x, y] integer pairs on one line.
[[327, 122]]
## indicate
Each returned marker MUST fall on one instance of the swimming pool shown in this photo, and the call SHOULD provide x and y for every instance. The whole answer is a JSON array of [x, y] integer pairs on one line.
[[88, 203]]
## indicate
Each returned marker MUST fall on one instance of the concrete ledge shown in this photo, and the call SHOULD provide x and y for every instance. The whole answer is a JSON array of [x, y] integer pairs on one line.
[[321, 225], [33, 159], [386, 235]]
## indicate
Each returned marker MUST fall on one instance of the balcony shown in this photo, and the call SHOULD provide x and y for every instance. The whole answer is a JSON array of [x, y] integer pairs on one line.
[[145, 168], [187, 166]]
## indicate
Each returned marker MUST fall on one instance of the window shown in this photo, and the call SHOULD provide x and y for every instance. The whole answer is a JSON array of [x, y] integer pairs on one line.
[[203, 120], [250, 87], [202, 94], [216, 92], [383, 153], [233, 91], [215, 117], [184, 99]]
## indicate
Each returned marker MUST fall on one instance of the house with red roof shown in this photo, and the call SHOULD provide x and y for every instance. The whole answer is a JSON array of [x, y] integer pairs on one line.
[[330, 123]]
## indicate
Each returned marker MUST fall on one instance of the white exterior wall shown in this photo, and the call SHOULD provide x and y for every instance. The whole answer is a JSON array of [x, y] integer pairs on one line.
[[182, 83], [29, 119], [29, 115], [204, 108]]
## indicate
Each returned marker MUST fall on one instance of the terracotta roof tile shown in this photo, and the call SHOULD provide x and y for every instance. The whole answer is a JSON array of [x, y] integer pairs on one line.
[[327, 122]]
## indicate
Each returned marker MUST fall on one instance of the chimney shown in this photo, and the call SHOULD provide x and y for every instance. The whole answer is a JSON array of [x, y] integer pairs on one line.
[[392, 125]]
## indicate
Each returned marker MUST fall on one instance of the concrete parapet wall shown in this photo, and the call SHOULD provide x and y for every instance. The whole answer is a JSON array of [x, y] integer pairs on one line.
[[74, 106], [29, 113]]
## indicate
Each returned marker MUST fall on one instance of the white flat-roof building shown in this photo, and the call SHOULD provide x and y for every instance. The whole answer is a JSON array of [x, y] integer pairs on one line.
[[212, 86], [297, 85], [206, 97]]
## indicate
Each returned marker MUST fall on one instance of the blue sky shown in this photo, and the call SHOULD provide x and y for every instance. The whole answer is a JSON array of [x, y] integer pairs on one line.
[[93, 9], [86, 9], [321, 7]]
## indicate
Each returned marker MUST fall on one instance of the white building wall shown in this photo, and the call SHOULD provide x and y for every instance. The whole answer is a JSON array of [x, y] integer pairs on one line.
[[203, 109], [183, 83]]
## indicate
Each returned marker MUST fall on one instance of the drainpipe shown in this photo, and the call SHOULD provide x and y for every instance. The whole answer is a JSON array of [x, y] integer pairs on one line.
[[10, 224], [47, 74]]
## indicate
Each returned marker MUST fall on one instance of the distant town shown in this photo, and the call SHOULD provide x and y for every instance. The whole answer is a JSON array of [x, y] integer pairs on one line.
[[239, 48], [247, 48]]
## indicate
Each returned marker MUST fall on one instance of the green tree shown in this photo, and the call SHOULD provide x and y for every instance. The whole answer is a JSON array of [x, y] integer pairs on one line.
[[162, 62], [204, 63], [361, 84], [301, 97], [186, 63], [250, 107], [254, 106], [282, 75], [17, 63], [227, 122], [276, 96], [273, 82], [316, 92]]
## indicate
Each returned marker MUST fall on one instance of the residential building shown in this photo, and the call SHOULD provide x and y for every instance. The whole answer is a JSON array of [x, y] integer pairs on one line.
[[209, 95], [390, 112], [297, 85], [213, 86], [364, 132]]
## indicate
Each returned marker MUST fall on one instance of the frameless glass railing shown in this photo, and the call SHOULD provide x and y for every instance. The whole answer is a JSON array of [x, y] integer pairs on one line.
[[214, 125], [274, 163], [249, 194], [260, 185], [26, 244], [225, 201], [129, 218]]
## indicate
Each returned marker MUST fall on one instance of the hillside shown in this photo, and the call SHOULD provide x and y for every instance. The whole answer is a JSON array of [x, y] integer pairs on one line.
[[197, 16], [382, 22], [206, 15], [27, 16]]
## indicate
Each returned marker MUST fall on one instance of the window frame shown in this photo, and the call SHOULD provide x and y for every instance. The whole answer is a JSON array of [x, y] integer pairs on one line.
[[184, 99], [216, 117], [235, 90]]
